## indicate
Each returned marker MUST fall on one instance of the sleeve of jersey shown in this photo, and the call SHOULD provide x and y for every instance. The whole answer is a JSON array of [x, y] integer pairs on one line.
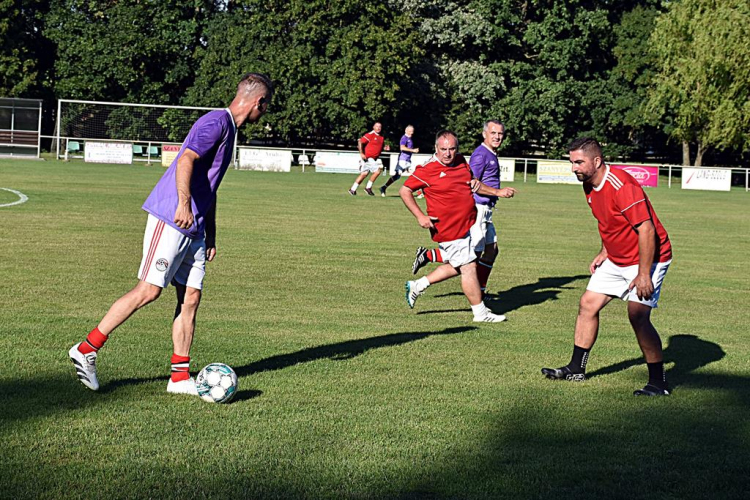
[[204, 137], [364, 139], [476, 162], [631, 201], [416, 181]]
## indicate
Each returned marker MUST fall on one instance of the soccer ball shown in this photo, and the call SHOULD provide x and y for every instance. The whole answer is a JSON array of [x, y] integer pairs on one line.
[[216, 383]]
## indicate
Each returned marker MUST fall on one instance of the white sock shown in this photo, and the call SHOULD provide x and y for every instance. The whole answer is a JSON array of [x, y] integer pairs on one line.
[[422, 284], [369, 184], [480, 310], [355, 186]]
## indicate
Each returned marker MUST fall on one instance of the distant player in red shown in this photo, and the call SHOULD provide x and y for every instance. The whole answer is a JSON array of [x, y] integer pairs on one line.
[[448, 187], [370, 146], [635, 255]]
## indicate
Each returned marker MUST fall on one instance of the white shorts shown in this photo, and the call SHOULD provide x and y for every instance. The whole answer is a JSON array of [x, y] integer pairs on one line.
[[609, 279], [403, 166], [370, 165], [169, 255], [483, 231], [458, 252]]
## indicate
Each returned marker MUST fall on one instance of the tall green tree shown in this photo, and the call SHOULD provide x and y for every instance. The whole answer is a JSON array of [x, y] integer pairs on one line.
[[702, 85], [131, 51], [339, 66], [25, 55]]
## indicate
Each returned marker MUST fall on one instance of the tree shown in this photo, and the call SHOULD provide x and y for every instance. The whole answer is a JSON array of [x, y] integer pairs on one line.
[[702, 86], [127, 51], [25, 56], [338, 66]]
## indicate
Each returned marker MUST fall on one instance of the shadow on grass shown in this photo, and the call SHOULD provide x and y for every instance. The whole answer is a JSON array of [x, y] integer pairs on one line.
[[687, 352], [21, 399], [520, 296]]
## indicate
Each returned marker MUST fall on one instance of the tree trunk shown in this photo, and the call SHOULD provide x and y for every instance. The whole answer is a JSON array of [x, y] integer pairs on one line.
[[699, 154], [686, 153]]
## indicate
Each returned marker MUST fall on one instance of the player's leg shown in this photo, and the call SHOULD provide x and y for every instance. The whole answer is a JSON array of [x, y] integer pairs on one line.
[[416, 288], [650, 344], [639, 314], [375, 167], [360, 178], [586, 332], [470, 287], [188, 283], [485, 263], [424, 257], [160, 245]]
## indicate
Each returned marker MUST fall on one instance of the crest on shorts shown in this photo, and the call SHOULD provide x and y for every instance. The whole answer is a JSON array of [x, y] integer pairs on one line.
[[162, 265]]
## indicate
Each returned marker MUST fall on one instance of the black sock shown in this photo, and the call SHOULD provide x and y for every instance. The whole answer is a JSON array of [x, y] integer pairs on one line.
[[578, 361], [656, 375]]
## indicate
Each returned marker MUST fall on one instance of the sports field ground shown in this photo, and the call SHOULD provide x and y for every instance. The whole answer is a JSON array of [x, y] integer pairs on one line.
[[344, 391]]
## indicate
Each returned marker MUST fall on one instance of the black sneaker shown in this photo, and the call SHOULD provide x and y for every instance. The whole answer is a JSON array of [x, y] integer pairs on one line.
[[420, 260], [382, 191], [353, 193], [369, 191], [652, 390], [563, 373]]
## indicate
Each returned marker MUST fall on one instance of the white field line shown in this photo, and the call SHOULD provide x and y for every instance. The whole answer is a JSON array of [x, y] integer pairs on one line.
[[22, 198]]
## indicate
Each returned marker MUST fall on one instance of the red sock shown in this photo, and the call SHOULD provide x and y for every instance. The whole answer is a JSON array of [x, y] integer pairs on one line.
[[483, 274], [180, 368], [94, 341], [434, 255]]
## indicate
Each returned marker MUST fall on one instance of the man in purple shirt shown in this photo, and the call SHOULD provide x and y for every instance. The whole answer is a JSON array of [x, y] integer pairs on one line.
[[181, 233], [485, 168], [404, 159]]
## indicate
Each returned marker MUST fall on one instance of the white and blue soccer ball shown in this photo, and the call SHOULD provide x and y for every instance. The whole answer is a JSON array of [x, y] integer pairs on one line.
[[216, 383]]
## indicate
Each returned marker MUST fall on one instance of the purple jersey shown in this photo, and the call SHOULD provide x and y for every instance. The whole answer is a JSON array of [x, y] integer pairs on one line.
[[212, 138], [484, 166], [409, 143]]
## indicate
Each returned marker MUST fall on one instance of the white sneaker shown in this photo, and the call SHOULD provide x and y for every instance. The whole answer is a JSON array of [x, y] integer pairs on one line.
[[85, 367], [183, 387], [411, 293], [489, 318]]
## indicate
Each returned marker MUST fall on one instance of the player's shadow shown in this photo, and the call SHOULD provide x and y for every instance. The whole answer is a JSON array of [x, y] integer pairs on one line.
[[688, 353], [522, 295], [341, 351], [337, 352]]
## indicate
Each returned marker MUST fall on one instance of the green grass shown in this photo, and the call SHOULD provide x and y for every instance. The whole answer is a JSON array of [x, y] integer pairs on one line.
[[344, 391]]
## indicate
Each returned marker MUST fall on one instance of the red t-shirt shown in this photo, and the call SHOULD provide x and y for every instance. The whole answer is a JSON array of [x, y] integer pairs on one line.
[[373, 144], [448, 196], [619, 203]]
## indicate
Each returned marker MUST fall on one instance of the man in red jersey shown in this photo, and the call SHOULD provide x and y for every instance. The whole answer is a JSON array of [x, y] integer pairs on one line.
[[369, 145], [448, 187], [635, 255]]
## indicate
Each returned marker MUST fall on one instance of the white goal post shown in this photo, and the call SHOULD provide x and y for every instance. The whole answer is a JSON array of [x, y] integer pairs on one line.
[[146, 126]]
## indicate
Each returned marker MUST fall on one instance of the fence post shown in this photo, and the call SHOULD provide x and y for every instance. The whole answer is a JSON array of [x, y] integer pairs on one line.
[[670, 177], [525, 168]]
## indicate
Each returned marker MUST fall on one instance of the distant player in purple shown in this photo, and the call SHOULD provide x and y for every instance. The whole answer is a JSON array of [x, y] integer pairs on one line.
[[181, 233], [485, 168], [404, 159]]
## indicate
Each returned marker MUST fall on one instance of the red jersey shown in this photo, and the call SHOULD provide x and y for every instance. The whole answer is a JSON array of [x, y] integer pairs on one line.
[[619, 203], [448, 196], [373, 144]]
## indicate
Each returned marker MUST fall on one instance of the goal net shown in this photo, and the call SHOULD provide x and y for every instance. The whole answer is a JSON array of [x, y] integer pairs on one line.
[[142, 123]]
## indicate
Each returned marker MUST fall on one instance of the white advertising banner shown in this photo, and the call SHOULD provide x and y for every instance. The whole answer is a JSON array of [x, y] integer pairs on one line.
[[266, 160], [416, 159], [555, 172], [507, 166], [337, 162], [507, 169], [709, 179], [108, 152]]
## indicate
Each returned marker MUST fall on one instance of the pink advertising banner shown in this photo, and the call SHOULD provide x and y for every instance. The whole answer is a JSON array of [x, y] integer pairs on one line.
[[647, 176]]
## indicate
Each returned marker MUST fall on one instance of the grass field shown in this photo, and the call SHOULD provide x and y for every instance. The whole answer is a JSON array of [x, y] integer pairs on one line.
[[344, 391]]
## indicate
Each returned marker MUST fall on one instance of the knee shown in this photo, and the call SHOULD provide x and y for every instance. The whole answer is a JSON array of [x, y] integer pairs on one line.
[[639, 318], [192, 299], [588, 307], [147, 293]]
